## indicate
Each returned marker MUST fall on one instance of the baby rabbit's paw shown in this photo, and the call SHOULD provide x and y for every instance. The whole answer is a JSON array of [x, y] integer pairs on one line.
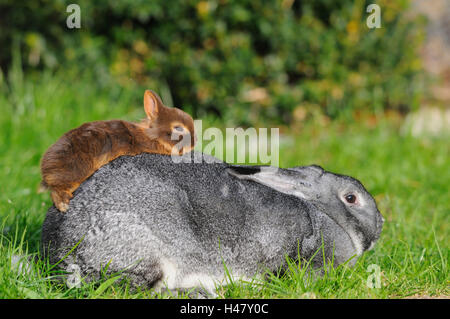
[[61, 200]]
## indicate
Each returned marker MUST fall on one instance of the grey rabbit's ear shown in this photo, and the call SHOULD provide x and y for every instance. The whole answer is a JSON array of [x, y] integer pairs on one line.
[[318, 169], [270, 176]]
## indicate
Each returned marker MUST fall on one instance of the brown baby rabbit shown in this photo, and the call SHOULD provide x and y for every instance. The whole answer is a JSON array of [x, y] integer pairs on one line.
[[81, 151]]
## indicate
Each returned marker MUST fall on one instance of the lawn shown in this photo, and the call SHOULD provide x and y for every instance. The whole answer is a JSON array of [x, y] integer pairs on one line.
[[409, 177]]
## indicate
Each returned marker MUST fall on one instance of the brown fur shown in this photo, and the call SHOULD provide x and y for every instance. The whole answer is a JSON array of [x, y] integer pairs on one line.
[[82, 151]]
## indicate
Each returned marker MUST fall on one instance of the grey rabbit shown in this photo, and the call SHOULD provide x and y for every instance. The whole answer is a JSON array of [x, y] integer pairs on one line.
[[174, 226]]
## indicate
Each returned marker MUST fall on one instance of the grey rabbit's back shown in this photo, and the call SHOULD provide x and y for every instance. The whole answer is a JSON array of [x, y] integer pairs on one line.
[[178, 224]]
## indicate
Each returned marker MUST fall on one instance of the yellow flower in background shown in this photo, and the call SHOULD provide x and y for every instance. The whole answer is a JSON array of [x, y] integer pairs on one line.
[[355, 79], [287, 4], [140, 47], [416, 64], [352, 27], [36, 45], [203, 8], [300, 112], [136, 65], [353, 31], [337, 92]]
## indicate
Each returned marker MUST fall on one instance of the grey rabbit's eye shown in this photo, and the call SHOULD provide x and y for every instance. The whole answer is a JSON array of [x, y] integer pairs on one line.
[[350, 198]]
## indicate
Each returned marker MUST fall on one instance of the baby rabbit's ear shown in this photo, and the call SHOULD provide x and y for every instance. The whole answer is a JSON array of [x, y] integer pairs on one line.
[[152, 104], [269, 176]]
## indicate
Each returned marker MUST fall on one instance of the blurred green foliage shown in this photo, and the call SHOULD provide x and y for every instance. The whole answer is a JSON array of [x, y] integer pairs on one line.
[[247, 61]]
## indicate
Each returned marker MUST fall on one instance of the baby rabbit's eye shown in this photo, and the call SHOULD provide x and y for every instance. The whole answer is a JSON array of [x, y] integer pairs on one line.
[[350, 198], [178, 128]]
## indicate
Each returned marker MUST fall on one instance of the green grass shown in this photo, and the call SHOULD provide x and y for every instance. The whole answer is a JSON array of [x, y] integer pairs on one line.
[[409, 177]]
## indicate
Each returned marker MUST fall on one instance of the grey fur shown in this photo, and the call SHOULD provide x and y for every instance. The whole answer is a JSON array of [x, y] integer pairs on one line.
[[176, 225]]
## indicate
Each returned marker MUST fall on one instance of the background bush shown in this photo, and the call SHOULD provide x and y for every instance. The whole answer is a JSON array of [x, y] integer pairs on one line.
[[247, 61]]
